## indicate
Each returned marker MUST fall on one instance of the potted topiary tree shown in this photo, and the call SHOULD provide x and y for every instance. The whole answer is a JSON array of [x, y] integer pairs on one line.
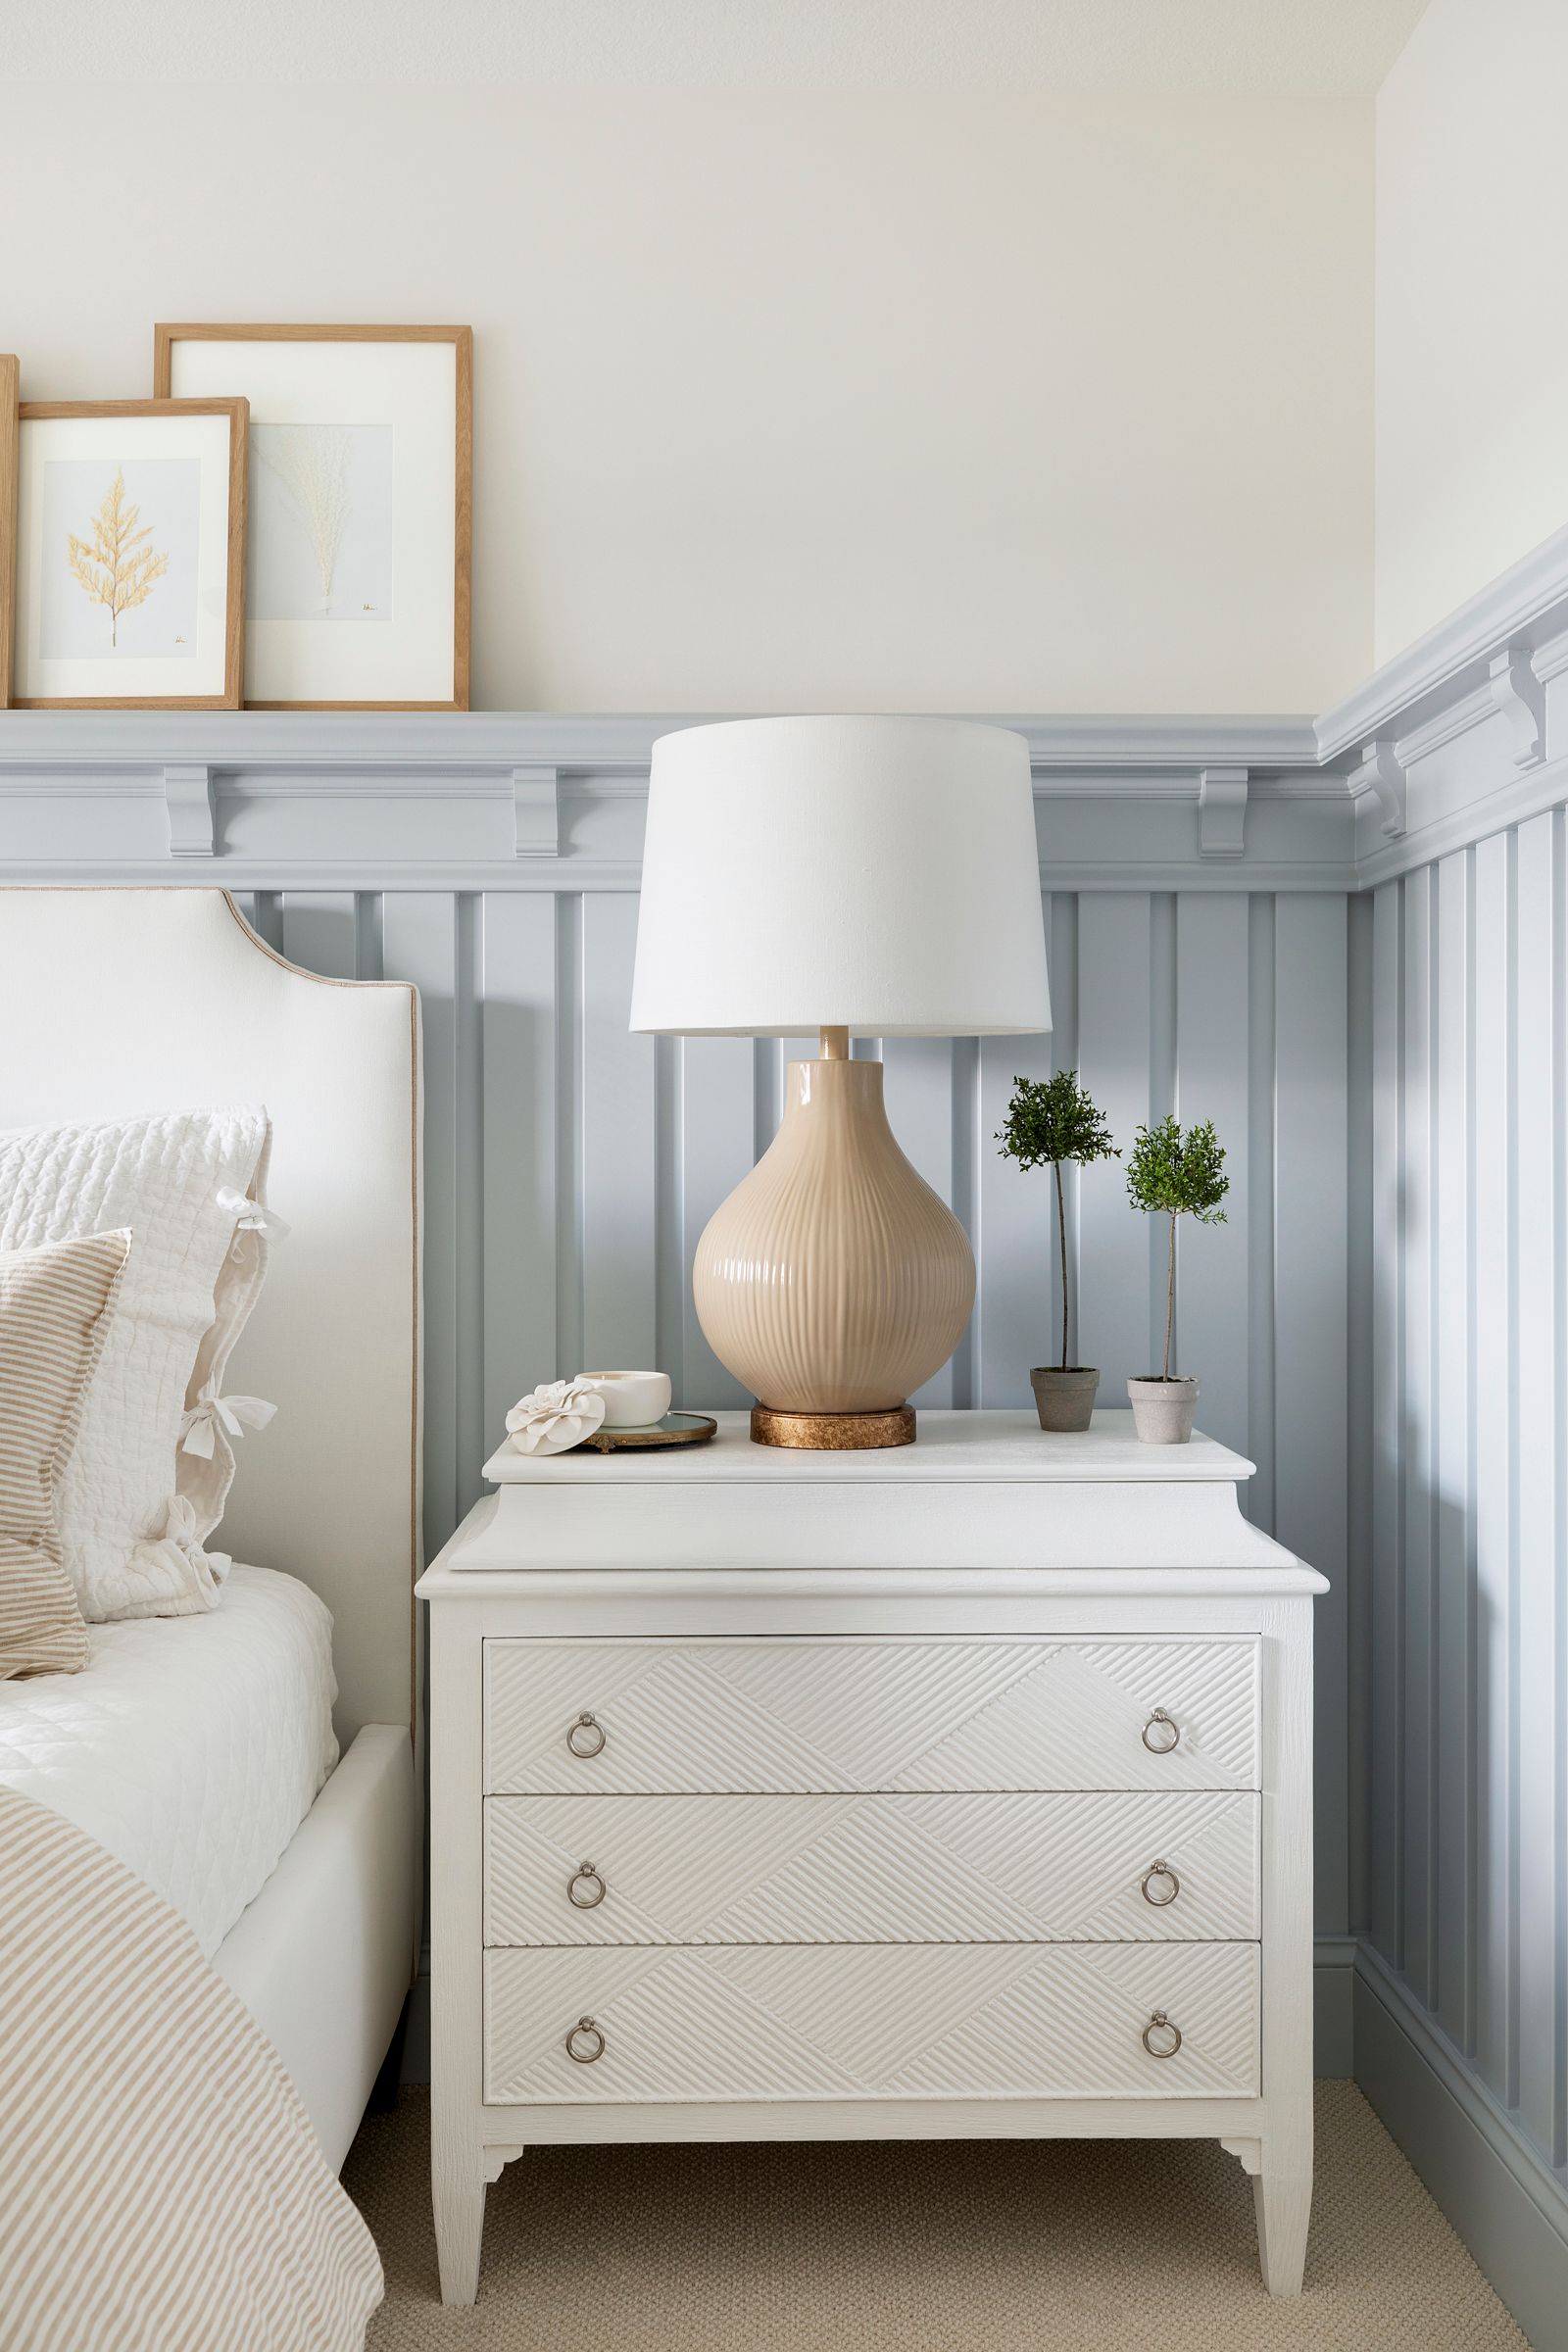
[[1173, 1174], [1051, 1121]]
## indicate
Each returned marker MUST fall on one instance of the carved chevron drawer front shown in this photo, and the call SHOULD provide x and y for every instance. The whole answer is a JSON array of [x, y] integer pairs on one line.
[[871, 2021], [643, 1717], [944, 1868]]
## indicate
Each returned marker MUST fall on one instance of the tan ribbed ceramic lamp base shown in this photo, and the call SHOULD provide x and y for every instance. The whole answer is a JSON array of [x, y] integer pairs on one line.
[[833, 1281]]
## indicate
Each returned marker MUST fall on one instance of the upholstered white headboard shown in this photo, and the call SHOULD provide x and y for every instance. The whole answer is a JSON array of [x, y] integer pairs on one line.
[[122, 999]]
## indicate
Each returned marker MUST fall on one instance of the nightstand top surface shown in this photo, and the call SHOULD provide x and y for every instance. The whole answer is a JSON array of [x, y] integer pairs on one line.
[[988, 1449]]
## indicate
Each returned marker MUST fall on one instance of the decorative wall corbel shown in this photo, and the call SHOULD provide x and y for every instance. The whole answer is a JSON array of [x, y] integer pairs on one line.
[[189, 799], [536, 811], [1382, 772], [1521, 698], [1221, 812]]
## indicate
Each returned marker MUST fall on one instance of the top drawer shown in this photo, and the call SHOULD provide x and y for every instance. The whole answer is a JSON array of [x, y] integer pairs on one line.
[[711, 1717]]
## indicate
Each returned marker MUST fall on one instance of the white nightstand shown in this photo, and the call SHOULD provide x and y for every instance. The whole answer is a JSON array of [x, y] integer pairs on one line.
[[957, 1790]]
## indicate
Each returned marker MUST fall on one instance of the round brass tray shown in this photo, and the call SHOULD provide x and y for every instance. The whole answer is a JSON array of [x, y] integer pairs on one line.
[[675, 1429]]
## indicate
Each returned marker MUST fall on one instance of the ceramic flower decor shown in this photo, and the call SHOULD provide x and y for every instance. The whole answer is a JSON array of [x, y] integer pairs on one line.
[[555, 1416]]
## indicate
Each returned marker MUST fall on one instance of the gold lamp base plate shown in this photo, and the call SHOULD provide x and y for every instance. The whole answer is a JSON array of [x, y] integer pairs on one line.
[[833, 1433]]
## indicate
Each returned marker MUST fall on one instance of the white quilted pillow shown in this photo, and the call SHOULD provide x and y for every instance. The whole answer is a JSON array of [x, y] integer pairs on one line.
[[152, 1464]]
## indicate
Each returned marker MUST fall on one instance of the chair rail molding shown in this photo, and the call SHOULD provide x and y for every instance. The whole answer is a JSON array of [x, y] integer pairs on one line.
[[537, 800]]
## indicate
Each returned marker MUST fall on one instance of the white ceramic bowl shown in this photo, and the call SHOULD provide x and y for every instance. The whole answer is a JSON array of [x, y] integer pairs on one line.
[[631, 1398]]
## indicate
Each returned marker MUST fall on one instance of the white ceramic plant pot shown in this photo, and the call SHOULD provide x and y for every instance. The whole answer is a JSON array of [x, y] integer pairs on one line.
[[1164, 1410], [1064, 1399]]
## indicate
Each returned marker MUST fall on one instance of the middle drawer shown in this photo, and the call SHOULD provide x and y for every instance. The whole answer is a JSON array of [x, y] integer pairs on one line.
[[996, 1868]]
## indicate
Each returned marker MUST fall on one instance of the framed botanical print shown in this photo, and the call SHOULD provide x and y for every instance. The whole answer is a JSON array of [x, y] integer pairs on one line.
[[10, 383], [360, 499], [131, 555]]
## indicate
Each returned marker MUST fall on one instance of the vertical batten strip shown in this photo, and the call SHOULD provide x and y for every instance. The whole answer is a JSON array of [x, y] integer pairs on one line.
[[920, 1091], [568, 1134], [1113, 1060], [1540, 1437], [473, 1442], [1386, 1827], [518, 1177], [367, 935], [1014, 1231], [420, 936], [1061, 942], [1360, 1280], [262, 909], [1452, 1716], [1515, 1384], [1559, 1008], [767, 1092], [1472, 1591], [717, 1139], [1310, 957], [1492, 1344], [669, 1269], [1211, 1083], [1260, 1014], [1162, 988], [965, 1117], [1420, 1575], [619, 1143], [321, 932]]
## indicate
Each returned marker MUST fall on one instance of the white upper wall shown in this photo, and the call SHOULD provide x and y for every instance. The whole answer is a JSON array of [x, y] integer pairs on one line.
[[792, 390], [1472, 305]]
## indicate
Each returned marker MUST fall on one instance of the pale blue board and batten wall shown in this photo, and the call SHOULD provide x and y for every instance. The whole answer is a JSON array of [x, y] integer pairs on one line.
[[1458, 1221], [571, 1167], [1460, 1702]]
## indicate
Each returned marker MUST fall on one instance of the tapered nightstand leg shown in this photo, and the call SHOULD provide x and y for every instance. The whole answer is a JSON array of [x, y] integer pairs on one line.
[[1283, 2202], [459, 2190]]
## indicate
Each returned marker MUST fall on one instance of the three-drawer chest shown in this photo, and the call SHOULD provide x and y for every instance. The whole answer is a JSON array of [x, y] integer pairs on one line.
[[954, 1791]]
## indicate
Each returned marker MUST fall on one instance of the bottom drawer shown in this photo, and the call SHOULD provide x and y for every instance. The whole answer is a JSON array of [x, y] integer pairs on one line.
[[870, 2020]]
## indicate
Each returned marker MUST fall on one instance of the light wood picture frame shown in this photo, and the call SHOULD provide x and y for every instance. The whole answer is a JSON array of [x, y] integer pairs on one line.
[[360, 575], [9, 398], [130, 513]]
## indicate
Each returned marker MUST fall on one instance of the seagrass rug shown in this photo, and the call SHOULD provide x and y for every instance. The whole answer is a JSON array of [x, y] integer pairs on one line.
[[923, 2247]]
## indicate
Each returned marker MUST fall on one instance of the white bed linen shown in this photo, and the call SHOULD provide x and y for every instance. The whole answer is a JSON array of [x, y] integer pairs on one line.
[[192, 1747]]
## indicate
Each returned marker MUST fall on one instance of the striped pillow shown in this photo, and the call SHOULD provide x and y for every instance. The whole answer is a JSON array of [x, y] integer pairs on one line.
[[54, 1312]]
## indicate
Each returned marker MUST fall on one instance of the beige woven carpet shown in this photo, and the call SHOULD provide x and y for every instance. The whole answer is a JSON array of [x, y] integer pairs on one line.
[[923, 2247]]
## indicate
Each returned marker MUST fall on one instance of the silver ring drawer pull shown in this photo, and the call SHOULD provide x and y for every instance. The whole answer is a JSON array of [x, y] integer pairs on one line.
[[586, 1736], [1160, 1885], [585, 2044], [586, 1888], [1160, 1733], [1161, 2039]]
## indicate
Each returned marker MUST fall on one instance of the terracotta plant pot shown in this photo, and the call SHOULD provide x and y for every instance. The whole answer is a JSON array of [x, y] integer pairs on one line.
[[1064, 1399], [1164, 1410]]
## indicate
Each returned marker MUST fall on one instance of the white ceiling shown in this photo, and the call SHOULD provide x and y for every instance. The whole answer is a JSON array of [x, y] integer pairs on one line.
[[1249, 48]]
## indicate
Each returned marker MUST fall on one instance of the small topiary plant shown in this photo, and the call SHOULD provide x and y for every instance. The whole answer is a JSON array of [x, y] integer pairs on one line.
[[1051, 1121], [1177, 1173]]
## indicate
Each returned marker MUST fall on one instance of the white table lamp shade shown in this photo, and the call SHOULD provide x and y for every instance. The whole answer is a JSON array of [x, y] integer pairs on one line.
[[875, 874]]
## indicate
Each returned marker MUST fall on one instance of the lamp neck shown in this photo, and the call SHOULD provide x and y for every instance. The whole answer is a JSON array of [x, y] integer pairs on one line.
[[835, 1044]]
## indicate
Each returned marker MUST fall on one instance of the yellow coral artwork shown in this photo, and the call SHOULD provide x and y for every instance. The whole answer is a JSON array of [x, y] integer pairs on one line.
[[117, 569]]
